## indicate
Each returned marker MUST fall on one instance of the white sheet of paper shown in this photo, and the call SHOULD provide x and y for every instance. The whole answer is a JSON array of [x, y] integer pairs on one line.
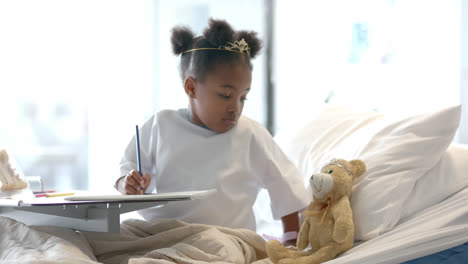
[[170, 196]]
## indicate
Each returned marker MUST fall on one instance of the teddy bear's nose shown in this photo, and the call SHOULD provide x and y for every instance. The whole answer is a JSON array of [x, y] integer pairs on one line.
[[312, 177]]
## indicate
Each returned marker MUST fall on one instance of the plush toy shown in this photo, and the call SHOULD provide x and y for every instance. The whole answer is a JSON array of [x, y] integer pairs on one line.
[[9, 178], [328, 225]]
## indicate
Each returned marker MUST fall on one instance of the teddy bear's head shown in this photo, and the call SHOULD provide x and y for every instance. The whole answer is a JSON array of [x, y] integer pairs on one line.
[[336, 178]]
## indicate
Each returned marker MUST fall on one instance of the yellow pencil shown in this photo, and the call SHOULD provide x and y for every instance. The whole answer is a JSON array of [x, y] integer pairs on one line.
[[49, 195]]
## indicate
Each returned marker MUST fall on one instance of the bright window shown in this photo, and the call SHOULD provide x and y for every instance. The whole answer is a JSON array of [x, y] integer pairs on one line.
[[387, 55], [77, 76]]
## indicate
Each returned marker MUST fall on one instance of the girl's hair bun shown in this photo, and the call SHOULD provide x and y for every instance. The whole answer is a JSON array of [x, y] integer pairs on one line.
[[255, 44], [181, 39], [218, 32]]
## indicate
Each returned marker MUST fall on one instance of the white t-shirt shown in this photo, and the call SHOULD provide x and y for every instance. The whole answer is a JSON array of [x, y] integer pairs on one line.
[[182, 156]]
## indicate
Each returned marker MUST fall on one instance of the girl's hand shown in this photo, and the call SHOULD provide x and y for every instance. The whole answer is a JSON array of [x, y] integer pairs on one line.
[[136, 184]]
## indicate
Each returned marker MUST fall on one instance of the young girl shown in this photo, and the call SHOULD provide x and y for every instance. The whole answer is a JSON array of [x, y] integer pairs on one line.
[[210, 145]]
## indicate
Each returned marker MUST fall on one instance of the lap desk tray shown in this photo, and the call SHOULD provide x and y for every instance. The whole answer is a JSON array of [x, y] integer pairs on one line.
[[88, 212]]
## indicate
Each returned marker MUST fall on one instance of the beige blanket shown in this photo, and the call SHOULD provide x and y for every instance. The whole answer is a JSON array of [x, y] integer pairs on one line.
[[139, 242], [22, 244]]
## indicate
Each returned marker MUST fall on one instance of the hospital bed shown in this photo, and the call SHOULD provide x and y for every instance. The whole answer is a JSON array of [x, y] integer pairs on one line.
[[410, 206]]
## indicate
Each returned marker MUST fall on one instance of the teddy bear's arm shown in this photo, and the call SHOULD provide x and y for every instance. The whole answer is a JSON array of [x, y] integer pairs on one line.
[[303, 237], [344, 227]]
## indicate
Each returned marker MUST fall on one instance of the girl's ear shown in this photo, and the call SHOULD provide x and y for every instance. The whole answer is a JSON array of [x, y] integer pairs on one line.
[[189, 86]]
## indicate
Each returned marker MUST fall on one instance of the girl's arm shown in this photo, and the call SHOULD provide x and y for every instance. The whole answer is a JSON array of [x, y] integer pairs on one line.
[[290, 224], [130, 181]]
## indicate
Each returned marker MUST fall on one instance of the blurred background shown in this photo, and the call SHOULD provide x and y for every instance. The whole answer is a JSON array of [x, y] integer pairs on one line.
[[77, 76]]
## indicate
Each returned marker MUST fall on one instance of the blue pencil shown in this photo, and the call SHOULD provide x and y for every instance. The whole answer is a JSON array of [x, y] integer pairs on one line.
[[138, 152]]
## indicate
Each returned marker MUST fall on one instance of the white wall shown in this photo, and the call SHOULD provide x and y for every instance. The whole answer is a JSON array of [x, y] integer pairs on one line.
[[122, 94], [411, 61]]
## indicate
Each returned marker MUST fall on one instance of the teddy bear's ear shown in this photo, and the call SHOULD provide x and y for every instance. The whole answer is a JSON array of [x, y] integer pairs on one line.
[[359, 167]]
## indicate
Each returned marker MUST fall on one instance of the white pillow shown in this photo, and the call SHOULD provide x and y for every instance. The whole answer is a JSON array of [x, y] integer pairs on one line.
[[447, 177], [397, 151]]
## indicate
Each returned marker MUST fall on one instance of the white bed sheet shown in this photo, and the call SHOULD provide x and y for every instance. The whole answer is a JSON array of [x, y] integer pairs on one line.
[[437, 228], [434, 229]]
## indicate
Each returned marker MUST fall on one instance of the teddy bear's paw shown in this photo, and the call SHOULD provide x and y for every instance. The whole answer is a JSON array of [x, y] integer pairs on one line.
[[276, 251]]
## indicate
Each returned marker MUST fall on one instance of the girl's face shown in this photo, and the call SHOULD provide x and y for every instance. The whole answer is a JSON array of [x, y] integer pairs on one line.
[[217, 101]]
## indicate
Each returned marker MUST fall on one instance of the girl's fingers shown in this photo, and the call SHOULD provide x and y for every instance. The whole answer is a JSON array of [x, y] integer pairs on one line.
[[131, 181], [147, 179], [130, 189], [137, 184], [132, 186], [137, 178]]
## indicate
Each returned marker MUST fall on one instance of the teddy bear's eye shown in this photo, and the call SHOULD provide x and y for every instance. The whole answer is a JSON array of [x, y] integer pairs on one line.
[[330, 171]]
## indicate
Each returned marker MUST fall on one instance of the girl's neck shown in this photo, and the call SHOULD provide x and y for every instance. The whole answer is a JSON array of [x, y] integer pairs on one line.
[[189, 118]]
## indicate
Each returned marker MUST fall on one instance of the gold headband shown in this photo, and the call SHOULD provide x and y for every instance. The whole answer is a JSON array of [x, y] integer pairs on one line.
[[238, 46]]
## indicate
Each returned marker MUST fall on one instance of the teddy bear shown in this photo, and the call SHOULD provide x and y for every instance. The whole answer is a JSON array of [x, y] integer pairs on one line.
[[328, 225], [9, 178]]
